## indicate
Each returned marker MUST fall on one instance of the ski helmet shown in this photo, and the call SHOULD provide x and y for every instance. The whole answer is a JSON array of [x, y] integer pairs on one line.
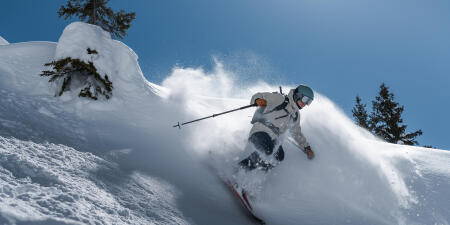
[[303, 93]]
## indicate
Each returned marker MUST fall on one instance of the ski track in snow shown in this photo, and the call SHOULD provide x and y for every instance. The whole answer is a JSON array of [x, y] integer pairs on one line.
[[68, 160]]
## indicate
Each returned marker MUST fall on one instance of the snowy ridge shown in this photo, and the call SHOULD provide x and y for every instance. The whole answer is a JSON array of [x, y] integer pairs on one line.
[[3, 41], [21, 64]]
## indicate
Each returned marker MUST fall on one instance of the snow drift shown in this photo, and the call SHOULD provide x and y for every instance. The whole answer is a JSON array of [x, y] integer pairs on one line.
[[120, 161]]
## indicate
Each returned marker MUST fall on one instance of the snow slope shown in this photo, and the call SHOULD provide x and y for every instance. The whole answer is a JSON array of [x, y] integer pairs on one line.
[[56, 184], [67, 160]]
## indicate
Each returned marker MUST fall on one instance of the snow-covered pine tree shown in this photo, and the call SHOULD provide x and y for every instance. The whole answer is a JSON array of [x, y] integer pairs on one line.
[[360, 114], [386, 120], [74, 73], [96, 12]]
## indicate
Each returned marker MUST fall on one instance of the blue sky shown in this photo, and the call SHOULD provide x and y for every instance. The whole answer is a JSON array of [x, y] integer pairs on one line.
[[340, 48]]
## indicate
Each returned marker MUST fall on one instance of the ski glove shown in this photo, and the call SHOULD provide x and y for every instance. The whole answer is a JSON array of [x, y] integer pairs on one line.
[[261, 102], [309, 152]]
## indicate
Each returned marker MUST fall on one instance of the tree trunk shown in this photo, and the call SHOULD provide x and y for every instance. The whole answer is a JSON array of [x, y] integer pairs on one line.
[[93, 9]]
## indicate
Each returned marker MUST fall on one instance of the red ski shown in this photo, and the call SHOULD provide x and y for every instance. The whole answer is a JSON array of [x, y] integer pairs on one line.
[[241, 194]]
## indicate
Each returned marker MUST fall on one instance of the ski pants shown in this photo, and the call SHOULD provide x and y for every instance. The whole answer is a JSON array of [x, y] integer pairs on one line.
[[264, 145]]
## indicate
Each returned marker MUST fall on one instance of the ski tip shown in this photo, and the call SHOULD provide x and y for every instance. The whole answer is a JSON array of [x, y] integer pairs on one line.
[[259, 220]]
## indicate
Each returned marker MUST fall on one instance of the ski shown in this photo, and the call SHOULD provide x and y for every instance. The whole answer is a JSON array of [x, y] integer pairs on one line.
[[241, 195]]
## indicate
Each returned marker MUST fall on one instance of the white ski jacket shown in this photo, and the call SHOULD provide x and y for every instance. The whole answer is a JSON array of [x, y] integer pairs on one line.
[[280, 114]]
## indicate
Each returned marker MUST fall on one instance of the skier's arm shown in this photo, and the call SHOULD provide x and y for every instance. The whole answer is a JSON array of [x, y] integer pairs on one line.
[[296, 133]]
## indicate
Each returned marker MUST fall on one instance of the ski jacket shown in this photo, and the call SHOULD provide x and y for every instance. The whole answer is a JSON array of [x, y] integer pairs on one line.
[[279, 115]]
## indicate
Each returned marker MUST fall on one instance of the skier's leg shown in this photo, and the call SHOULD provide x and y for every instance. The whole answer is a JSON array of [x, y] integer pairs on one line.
[[264, 144]]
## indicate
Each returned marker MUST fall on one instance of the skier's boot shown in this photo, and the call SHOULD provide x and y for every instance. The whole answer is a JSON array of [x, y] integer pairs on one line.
[[253, 161]]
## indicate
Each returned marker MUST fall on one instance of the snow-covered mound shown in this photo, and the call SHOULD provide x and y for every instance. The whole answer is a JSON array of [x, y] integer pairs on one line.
[[25, 93], [54, 183], [143, 170], [114, 58], [3, 41]]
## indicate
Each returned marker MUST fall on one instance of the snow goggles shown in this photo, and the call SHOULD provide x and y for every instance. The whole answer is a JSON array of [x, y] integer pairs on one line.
[[307, 100]]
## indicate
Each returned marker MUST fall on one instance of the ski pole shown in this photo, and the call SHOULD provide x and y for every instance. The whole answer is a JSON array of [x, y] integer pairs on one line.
[[214, 115]]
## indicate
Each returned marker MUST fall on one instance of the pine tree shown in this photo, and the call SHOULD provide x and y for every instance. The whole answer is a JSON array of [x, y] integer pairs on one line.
[[96, 12], [65, 71], [386, 121], [360, 114]]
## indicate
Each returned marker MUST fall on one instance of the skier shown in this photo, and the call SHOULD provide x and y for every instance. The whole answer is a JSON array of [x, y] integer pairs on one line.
[[276, 114]]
